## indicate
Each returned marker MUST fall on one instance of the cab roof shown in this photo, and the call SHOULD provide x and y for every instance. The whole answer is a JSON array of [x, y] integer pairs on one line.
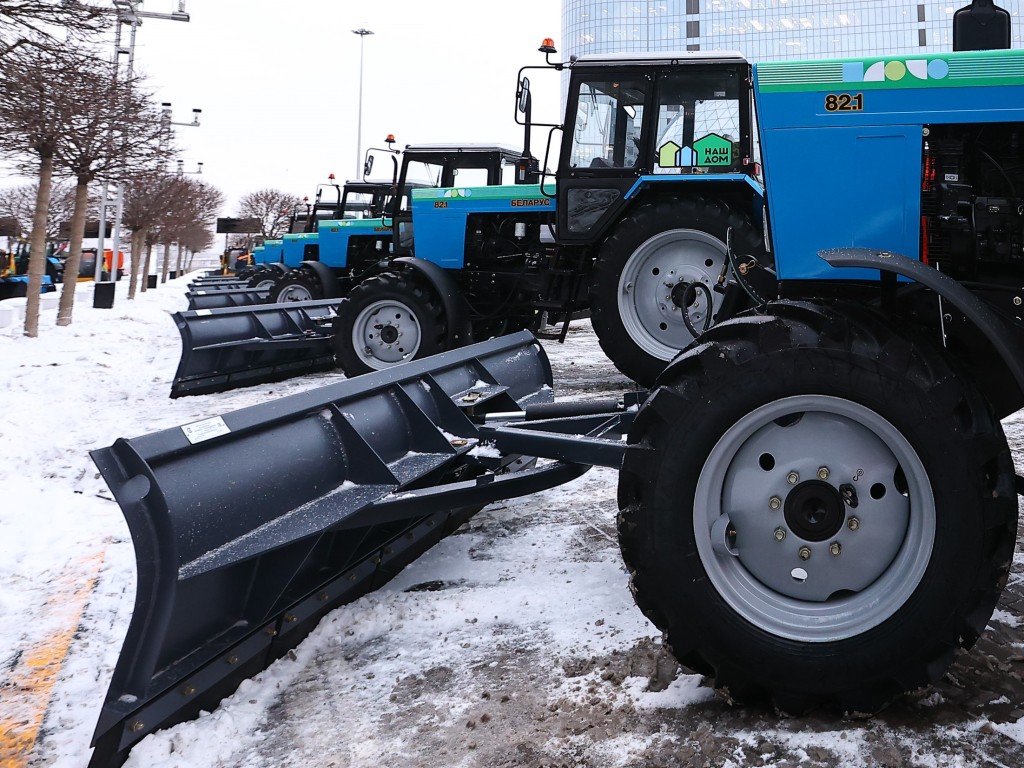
[[467, 148], [649, 58]]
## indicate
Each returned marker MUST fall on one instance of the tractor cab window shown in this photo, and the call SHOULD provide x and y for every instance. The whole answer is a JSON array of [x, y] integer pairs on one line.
[[421, 174], [609, 118], [471, 177], [698, 121], [358, 205]]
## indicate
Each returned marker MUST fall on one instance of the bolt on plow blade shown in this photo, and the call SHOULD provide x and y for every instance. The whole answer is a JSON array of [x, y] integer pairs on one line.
[[224, 349], [248, 527]]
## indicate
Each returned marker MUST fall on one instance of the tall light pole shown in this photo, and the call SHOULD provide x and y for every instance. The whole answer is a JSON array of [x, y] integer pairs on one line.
[[359, 131], [127, 12]]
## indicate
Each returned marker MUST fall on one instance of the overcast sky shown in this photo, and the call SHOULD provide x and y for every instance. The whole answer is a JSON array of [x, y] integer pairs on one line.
[[278, 82]]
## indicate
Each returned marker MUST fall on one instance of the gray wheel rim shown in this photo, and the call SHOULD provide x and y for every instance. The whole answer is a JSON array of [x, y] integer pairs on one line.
[[652, 320], [852, 580], [373, 331], [295, 292], [265, 284]]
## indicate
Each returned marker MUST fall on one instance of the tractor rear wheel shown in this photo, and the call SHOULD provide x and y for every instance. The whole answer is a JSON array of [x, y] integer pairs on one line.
[[297, 285], [816, 509], [638, 290], [264, 278], [386, 320]]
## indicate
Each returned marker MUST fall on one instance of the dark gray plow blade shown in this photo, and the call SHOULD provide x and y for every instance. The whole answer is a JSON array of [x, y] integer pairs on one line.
[[203, 299], [223, 349], [220, 284], [250, 526]]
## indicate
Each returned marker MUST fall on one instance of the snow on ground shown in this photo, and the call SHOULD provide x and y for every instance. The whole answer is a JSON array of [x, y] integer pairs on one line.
[[513, 642]]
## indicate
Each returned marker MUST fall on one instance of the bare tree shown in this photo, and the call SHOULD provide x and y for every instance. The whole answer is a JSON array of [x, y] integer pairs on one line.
[[190, 216], [47, 23], [117, 131], [35, 115], [272, 207], [145, 205], [19, 203]]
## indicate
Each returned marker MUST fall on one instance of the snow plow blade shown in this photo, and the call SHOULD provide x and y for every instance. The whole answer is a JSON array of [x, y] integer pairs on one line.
[[223, 349], [251, 526], [218, 284], [204, 299]]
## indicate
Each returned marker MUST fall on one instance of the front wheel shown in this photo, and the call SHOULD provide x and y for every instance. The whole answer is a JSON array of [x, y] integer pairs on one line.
[[296, 285], [641, 290], [386, 320], [817, 510], [263, 278]]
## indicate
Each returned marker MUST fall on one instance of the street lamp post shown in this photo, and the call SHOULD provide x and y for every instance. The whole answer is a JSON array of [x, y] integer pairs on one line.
[[359, 131], [127, 12]]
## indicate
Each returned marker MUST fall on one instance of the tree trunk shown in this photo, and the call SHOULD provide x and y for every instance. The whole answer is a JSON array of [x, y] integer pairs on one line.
[[37, 244], [145, 268], [138, 246], [71, 267], [166, 266], [180, 266]]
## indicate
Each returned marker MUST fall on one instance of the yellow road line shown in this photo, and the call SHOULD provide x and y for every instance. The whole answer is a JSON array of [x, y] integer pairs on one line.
[[26, 691]]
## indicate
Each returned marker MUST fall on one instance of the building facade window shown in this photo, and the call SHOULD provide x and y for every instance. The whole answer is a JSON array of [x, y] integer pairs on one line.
[[766, 30]]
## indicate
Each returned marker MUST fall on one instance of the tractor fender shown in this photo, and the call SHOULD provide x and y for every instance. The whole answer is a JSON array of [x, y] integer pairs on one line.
[[455, 309], [326, 276], [973, 308]]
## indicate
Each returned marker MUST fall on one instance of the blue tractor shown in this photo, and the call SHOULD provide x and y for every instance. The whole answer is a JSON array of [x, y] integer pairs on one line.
[[355, 200], [817, 502]]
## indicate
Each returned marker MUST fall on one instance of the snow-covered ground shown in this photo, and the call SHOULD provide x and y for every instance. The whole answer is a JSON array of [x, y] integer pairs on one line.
[[513, 642]]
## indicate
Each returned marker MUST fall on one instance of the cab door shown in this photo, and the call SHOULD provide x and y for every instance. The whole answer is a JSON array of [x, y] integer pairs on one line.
[[603, 151]]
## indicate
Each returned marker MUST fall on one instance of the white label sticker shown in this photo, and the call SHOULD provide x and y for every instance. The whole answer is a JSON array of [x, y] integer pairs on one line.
[[952, 177], [205, 430], [204, 312]]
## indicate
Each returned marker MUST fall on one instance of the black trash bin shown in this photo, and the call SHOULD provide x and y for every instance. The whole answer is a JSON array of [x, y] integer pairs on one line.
[[151, 281], [103, 298], [174, 274]]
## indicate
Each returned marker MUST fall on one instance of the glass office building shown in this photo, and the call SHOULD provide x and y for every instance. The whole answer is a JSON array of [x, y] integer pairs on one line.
[[766, 30]]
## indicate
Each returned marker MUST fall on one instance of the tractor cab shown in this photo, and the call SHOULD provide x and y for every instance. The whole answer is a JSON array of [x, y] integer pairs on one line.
[[633, 122], [444, 166], [356, 200]]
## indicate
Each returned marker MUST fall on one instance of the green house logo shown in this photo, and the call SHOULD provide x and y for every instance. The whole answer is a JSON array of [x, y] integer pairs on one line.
[[713, 150]]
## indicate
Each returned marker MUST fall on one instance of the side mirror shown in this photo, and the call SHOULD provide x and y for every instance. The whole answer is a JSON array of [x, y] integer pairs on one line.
[[524, 94], [368, 165]]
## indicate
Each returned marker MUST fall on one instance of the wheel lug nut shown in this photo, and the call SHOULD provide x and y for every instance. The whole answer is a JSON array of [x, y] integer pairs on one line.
[[793, 478], [823, 473], [835, 548], [775, 502], [780, 534], [805, 553], [853, 523]]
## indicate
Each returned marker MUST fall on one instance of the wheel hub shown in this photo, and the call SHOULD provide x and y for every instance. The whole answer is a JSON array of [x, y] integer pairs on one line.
[[684, 295], [815, 511], [656, 288], [386, 332], [794, 557]]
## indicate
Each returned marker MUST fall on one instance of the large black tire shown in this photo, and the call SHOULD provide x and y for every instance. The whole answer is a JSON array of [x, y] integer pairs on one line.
[[742, 457], [387, 320], [297, 285], [265, 277], [639, 326]]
